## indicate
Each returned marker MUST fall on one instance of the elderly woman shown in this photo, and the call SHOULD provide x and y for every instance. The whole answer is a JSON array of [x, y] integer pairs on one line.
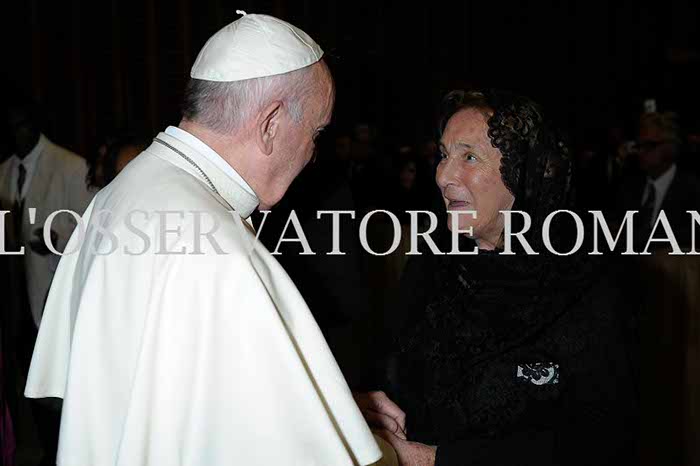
[[508, 359]]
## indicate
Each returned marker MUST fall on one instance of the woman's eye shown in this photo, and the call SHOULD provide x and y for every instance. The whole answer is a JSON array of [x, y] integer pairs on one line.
[[470, 158], [443, 156]]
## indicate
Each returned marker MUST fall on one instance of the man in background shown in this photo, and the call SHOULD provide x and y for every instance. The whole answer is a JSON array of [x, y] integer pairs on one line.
[[662, 184], [43, 176]]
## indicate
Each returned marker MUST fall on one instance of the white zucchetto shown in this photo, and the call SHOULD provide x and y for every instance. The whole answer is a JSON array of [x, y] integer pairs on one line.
[[255, 46]]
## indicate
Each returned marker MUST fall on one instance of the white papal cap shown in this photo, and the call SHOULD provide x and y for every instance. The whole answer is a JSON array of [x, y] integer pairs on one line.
[[255, 46]]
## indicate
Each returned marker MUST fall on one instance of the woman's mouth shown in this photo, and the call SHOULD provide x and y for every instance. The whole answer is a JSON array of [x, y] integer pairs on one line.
[[454, 205]]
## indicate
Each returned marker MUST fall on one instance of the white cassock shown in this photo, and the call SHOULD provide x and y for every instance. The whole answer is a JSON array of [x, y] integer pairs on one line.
[[203, 358]]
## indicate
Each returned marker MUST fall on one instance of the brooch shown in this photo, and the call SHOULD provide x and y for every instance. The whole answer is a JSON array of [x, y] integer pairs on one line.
[[539, 373]]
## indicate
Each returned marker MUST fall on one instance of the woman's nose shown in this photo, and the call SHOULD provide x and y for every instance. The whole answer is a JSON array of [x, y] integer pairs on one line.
[[444, 174]]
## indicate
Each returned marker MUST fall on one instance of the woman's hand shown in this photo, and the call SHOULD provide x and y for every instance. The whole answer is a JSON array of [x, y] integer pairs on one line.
[[409, 453], [382, 413]]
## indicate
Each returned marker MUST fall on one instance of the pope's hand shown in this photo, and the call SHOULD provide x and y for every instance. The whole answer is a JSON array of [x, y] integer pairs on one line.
[[409, 453], [382, 413]]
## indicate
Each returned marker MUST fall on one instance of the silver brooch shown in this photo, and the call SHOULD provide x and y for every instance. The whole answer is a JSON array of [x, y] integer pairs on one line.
[[539, 373]]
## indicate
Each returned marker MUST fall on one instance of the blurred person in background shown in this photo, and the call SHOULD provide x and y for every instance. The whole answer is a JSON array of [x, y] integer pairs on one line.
[[690, 159], [370, 169], [430, 153], [112, 156], [662, 183], [44, 176]]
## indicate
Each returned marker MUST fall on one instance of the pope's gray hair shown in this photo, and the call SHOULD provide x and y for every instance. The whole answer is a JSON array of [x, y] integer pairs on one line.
[[224, 107]]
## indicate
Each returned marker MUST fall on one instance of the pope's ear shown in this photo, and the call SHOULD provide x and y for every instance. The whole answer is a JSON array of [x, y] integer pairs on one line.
[[268, 125]]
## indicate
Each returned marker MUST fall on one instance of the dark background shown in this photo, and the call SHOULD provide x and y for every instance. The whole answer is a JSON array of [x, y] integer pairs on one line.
[[105, 65]]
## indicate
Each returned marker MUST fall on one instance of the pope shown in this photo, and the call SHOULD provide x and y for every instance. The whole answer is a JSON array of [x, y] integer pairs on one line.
[[173, 350]]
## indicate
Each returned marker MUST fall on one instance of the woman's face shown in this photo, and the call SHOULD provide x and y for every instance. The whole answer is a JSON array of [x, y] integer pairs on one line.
[[469, 177]]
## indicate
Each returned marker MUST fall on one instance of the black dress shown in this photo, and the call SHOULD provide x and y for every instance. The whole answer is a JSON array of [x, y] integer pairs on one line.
[[518, 361]]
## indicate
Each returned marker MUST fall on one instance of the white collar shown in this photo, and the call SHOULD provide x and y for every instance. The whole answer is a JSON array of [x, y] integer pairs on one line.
[[230, 190], [196, 144]]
